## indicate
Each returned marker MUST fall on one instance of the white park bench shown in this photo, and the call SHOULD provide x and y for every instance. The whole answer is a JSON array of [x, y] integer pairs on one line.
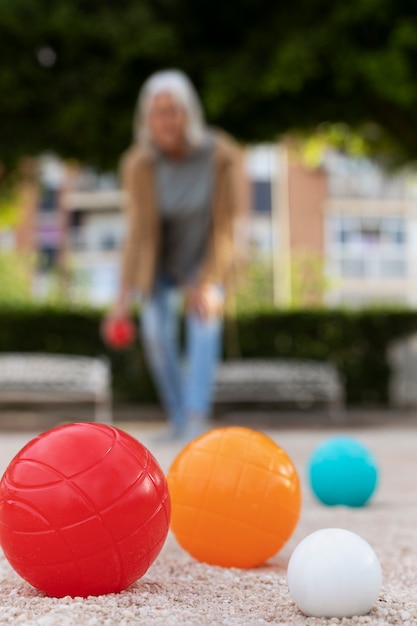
[[37, 378], [300, 383]]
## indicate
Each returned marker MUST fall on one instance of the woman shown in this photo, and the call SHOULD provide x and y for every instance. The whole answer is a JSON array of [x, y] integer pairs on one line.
[[182, 184]]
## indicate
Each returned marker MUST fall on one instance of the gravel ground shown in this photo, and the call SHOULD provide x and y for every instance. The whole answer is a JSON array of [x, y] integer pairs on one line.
[[178, 590]]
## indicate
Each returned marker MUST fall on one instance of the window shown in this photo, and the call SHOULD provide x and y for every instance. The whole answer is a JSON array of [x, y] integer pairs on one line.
[[261, 196], [108, 241], [48, 199], [47, 258], [367, 246]]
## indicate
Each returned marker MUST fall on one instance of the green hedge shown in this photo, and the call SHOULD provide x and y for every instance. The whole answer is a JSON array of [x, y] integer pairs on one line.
[[355, 341], [75, 332]]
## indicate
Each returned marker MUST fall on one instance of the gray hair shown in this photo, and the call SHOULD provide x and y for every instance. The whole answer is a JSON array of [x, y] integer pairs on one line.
[[182, 90]]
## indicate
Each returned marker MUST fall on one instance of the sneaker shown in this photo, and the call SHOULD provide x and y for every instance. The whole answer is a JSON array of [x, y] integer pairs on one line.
[[168, 435], [194, 429]]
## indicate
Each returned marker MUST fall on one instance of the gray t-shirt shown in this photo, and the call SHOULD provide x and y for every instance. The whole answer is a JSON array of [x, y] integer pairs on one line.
[[184, 190]]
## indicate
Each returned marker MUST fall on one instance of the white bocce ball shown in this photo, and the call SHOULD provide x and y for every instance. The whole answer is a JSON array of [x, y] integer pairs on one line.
[[334, 573]]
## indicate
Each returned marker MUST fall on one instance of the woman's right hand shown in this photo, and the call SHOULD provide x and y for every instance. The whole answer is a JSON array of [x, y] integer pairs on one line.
[[118, 311]]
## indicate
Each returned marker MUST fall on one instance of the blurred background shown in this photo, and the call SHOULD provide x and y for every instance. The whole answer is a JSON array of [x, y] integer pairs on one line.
[[323, 97]]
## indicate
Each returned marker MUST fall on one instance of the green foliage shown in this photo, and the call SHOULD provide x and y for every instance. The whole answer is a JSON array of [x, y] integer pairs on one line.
[[312, 147], [308, 281], [355, 341], [263, 68], [16, 278], [255, 289], [9, 209]]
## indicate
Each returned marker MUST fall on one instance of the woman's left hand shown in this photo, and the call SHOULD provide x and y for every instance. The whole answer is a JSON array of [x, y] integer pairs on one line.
[[207, 301]]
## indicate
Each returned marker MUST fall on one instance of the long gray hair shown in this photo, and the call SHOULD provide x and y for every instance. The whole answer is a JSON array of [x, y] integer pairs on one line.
[[182, 90]]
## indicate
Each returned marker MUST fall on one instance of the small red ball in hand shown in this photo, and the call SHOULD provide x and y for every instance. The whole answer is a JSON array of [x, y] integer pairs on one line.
[[119, 333], [84, 510]]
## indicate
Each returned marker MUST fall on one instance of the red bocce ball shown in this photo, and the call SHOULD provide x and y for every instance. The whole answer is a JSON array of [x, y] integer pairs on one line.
[[119, 333], [84, 510]]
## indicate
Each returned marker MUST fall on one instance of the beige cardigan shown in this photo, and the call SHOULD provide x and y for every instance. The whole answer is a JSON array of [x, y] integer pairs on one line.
[[141, 246]]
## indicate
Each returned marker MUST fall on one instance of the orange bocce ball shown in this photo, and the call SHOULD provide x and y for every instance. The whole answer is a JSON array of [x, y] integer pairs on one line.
[[235, 497]]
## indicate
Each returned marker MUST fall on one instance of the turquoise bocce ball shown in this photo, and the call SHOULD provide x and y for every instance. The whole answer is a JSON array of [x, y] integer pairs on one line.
[[342, 471]]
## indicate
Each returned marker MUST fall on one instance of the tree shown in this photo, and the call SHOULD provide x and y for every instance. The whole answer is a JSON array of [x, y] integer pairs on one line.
[[70, 70]]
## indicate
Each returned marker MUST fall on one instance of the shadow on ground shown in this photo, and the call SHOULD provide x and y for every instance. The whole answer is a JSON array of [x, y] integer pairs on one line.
[[40, 419]]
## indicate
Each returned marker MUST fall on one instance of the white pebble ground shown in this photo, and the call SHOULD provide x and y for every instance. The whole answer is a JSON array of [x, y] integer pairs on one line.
[[179, 591]]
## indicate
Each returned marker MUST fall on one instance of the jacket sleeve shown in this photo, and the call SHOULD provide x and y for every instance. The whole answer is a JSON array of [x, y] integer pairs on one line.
[[131, 244], [141, 242], [226, 247]]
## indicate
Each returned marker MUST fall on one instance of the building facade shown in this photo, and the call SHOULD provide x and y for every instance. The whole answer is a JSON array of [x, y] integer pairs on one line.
[[348, 233], [341, 234]]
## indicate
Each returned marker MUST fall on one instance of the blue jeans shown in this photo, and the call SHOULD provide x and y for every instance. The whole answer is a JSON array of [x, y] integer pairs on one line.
[[185, 389]]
